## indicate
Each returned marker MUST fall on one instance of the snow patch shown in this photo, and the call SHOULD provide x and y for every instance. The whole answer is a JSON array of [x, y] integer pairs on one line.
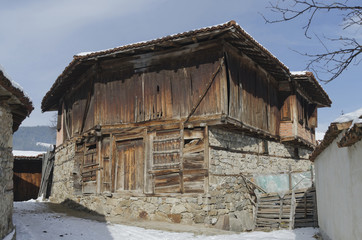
[[352, 116], [21, 153], [10, 235], [39, 199], [15, 84], [84, 53], [47, 145], [298, 72]]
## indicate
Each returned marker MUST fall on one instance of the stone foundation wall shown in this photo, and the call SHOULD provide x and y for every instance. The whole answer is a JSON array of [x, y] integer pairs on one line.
[[229, 201], [6, 172], [236, 155], [62, 187]]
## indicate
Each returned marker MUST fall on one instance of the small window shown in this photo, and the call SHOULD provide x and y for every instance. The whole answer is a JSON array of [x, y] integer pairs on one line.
[[265, 147], [296, 153]]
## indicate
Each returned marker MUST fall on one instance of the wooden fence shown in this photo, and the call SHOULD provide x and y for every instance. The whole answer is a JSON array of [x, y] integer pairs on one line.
[[296, 208]]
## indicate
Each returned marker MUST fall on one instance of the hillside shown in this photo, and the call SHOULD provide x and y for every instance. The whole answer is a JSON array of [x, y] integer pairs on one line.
[[26, 138]]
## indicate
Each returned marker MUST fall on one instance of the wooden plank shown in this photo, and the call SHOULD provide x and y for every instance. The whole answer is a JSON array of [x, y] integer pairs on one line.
[[194, 148], [292, 211], [171, 179], [194, 156], [206, 159], [194, 187], [165, 171], [168, 189], [166, 151]]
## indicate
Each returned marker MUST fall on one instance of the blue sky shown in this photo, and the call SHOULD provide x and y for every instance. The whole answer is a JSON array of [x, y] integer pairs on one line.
[[39, 38]]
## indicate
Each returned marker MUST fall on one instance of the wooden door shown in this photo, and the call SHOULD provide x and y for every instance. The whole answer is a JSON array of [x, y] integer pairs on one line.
[[129, 165]]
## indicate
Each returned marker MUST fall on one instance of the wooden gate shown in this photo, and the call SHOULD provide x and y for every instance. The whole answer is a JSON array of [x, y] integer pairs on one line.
[[27, 177], [297, 208]]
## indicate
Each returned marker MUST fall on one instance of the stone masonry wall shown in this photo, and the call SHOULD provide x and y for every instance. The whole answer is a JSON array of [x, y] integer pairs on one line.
[[62, 187], [228, 204], [236, 155], [6, 172]]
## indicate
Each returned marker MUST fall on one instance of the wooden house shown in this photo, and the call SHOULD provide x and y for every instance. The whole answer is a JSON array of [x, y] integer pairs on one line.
[[338, 170], [167, 126], [15, 106]]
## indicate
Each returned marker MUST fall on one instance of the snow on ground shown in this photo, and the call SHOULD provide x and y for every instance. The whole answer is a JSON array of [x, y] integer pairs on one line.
[[35, 221]]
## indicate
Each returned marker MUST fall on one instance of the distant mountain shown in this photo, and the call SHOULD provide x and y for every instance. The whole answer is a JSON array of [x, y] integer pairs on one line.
[[26, 138]]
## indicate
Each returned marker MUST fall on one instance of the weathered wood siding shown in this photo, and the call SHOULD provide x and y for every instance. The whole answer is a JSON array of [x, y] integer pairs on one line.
[[160, 86], [253, 97]]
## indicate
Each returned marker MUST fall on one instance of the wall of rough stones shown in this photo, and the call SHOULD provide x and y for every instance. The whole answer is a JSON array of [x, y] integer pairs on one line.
[[62, 187], [228, 204], [6, 171], [234, 155]]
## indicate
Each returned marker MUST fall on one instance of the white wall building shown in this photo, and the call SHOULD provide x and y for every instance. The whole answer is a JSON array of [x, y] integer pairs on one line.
[[338, 167]]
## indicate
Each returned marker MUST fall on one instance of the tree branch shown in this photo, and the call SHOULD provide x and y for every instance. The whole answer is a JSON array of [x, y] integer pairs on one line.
[[333, 62]]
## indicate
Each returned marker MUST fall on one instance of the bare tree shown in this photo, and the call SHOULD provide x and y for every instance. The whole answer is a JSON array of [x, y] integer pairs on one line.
[[339, 52]]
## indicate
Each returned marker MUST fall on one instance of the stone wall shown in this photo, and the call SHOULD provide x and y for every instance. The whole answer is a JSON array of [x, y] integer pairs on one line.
[[236, 155], [62, 187], [6, 172], [228, 202]]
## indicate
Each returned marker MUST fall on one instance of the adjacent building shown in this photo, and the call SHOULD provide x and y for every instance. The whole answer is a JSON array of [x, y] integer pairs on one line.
[[15, 106], [174, 129], [338, 166]]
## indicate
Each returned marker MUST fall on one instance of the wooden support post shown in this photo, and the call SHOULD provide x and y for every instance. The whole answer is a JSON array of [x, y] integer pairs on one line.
[[280, 211], [290, 178], [256, 211], [311, 176], [292, 211], [315, 214], [182, 190]]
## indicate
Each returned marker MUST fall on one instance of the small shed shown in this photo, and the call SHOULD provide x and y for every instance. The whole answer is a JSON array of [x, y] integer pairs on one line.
[[338, 166], [15, 106], [27, 174]]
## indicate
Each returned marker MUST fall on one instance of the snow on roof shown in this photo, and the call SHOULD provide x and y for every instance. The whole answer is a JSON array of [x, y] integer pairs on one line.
[[82, 54], [15, 84], [298, 72], [231, 23], [21, 153], [351, 123], [353, 116]]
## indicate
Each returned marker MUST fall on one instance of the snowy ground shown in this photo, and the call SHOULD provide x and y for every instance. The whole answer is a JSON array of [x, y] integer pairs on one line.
[[35, 221]]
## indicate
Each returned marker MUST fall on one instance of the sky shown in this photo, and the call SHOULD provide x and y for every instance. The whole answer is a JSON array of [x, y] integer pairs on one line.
[[39, 38]]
